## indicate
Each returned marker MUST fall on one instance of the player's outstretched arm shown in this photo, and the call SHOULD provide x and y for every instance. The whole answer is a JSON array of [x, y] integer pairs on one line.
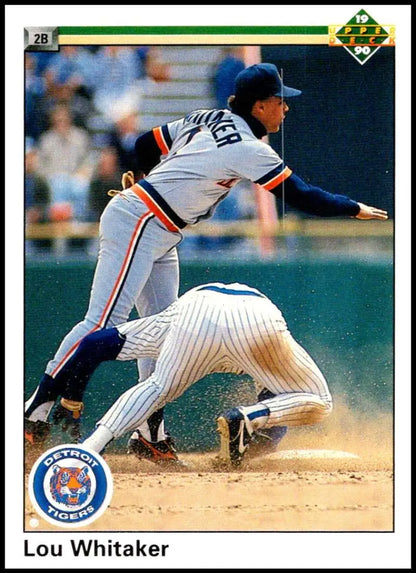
[[367, 212], [316, 201]]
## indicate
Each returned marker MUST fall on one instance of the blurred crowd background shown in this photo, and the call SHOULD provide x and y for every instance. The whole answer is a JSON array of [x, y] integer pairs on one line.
[[86, 105], [82, 120], [82, 117]]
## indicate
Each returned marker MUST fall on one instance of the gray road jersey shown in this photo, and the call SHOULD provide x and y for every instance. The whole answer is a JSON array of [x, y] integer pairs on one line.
[[208, 152]]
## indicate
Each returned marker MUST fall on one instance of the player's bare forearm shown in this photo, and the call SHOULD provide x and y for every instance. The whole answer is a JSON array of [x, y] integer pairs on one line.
[[367, 212]]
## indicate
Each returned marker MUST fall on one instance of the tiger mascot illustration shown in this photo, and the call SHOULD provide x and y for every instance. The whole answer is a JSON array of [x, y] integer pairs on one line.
[[70, 486]]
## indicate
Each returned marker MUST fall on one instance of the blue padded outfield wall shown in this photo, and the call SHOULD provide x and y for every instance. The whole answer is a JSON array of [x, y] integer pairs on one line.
[[340, 311]]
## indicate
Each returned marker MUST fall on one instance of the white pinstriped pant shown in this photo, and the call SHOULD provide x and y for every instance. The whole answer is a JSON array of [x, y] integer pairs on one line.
[[205, 332]]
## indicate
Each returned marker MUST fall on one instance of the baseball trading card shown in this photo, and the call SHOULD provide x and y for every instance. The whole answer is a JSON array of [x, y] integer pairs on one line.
[[208, 223]]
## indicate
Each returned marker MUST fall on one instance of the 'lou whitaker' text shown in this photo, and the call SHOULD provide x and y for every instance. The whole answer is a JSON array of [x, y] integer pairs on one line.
[[93, 548]]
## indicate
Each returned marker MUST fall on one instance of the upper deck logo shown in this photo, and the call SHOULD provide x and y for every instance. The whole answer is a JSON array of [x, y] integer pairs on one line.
[[70, 485], [362, 36]]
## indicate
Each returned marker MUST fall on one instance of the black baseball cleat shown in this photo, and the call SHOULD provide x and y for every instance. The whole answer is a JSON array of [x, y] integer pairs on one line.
[[36, 432], [69, 419], [235, 436], [158, 452]]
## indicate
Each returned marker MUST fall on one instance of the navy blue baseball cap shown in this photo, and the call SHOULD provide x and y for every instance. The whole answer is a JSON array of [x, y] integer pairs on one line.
[[261, 81]]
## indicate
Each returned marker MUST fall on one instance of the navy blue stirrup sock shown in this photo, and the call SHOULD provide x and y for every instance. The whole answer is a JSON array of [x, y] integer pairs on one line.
[[93, 349], [154, 422], [47, 391]]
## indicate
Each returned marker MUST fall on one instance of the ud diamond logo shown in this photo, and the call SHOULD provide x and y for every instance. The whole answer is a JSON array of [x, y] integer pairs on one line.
[[362, 36]]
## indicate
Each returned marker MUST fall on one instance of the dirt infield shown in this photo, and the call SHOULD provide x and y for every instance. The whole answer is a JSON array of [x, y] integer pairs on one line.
[[266, 494]]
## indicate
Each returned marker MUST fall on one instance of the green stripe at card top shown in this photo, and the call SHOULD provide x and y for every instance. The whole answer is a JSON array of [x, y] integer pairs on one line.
[[193, 34]]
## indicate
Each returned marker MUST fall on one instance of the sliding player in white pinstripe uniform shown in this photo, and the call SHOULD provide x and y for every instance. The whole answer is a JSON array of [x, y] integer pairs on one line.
[[211, 328], [206, 153]]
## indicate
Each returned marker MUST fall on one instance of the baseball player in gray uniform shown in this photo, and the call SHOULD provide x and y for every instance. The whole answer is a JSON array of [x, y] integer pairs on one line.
[[184, 169], [212, 328]]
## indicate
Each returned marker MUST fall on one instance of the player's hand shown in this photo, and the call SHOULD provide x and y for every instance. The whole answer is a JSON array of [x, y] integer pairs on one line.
[[367, 212], [127, 179]]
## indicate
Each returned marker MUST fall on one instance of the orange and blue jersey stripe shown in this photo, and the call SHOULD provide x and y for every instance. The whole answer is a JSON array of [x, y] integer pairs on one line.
[[157, 204], [163, 138], [274, 177]]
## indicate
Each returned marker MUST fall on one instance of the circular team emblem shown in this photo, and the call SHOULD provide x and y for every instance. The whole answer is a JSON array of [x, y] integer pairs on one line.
[[70, 485]]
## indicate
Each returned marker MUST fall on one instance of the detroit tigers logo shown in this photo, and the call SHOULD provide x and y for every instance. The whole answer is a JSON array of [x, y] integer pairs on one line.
[[70, 486]]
